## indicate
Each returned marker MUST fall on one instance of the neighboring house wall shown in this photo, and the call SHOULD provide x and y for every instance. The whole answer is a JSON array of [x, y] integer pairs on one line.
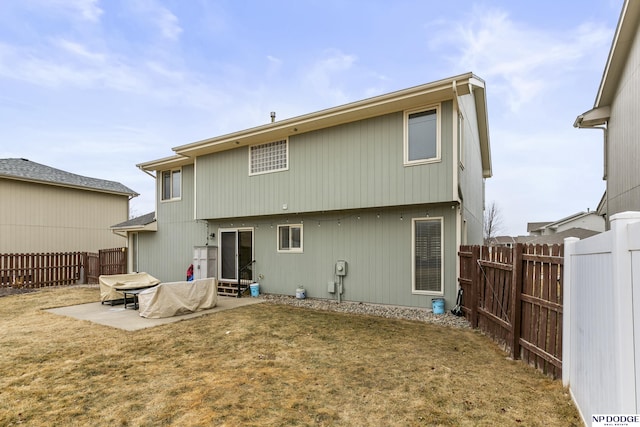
[[167, 253], [592, 221], [49, 218], [623, 150]]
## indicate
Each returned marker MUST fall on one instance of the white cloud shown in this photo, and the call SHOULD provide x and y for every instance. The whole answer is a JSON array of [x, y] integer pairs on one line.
[[166, 21], [325, 73], [87, 10], [520, 61], [79, 50]]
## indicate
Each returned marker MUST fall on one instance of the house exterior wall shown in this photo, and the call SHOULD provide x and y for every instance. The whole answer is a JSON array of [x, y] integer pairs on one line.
[[471, 181], [376, 244], [353, 166], [349, 187], [623, 150], [46, 218], [167, 253]]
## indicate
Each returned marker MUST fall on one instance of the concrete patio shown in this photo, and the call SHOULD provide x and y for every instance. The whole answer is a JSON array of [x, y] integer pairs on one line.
[[129, 320]]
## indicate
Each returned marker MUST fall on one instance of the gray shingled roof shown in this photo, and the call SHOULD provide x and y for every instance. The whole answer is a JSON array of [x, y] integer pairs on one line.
[[137, 221], [24, 169]]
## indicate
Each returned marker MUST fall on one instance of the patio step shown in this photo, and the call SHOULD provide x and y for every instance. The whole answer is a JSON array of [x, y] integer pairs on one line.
[[231, 289]]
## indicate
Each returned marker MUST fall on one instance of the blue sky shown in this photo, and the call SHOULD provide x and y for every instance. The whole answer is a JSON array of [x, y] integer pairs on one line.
[[94, 87]]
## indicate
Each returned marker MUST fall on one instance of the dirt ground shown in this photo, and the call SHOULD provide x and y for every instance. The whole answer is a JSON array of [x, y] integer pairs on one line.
[[4, 291], [260, 365]]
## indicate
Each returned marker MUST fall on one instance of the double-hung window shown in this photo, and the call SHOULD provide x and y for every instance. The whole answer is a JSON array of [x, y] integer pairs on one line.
[[422, 135], [171, 184], [426, 256], [269, 157], [290, 238]]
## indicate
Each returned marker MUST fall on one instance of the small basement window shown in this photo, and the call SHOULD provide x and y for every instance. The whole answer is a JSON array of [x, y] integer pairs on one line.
[[290, 238], [269, 157]]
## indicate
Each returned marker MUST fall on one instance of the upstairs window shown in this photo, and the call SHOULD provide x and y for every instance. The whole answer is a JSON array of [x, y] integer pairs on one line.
[[269, 157], [422, 136], [171, 184], [290, 238]]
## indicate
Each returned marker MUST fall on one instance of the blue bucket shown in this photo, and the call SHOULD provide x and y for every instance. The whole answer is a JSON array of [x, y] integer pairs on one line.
[[437, 305], [255, 289]]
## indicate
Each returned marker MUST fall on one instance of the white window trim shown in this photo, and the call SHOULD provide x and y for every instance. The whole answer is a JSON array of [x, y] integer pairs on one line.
[[413, 256], [290, 250], [436, 159], [171, 199], [286, 142]]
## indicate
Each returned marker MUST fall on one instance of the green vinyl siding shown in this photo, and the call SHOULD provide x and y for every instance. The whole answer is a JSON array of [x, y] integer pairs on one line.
[[352, 166], [375, 243], [471, 182], [167, 253]]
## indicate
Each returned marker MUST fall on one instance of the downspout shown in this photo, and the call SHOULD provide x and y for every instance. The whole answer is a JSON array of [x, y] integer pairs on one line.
[[455, 181], [603, 125], [147, 172]]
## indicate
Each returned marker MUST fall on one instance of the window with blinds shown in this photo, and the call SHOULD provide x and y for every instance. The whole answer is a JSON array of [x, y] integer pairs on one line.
[[427, 255], [269, 157]]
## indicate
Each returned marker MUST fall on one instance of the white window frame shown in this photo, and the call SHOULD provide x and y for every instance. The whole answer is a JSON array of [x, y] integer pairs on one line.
[[262, 172], [171, 183], [413, 256], [407, 113], [290, 250]]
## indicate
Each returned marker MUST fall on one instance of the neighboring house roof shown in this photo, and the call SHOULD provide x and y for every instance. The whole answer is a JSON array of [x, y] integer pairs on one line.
[[618, 56], [463, 84], [502, 240], [602, 206], [557, 238], [146, 222], [533, 226], [550, 239], [26, 170]]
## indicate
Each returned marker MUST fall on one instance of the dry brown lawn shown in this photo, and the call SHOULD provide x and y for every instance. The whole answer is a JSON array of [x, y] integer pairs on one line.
[[260, 365]]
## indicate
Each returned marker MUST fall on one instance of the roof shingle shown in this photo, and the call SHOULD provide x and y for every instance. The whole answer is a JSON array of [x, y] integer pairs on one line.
[[24, 169]]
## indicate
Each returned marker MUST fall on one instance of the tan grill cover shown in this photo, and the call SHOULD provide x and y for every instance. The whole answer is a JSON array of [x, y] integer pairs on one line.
[[175, 298], [108, 283]]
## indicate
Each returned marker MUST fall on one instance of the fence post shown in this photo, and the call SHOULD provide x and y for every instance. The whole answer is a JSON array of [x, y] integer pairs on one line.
[[622, 305], [567, 321], [516, 291], [475, 284]]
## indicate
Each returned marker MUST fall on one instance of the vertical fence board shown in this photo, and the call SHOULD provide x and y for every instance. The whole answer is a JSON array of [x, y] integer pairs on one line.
[[514, 295], [58, 269]]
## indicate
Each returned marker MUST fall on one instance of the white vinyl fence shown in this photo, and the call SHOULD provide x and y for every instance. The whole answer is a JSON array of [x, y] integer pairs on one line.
[[601, 317]]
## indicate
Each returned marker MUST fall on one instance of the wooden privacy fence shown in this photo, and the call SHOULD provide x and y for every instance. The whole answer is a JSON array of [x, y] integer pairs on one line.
[[514, 295], [59, 269], [113, 261], [40, 270]]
